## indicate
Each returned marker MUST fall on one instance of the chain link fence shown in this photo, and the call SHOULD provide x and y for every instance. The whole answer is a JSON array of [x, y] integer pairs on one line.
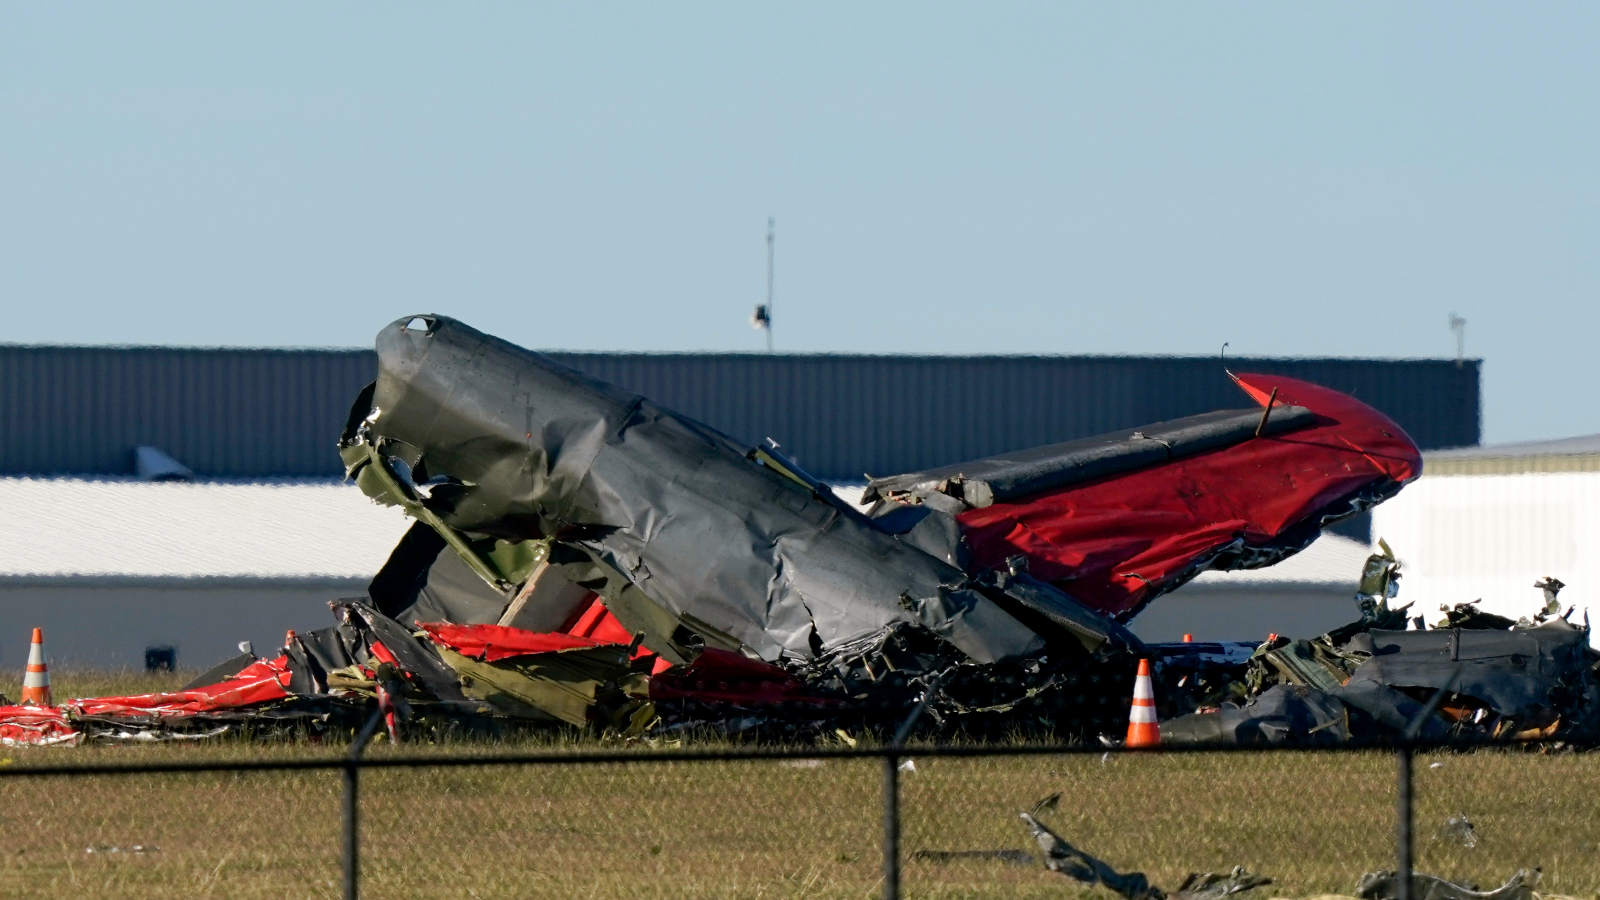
[[252, 821]]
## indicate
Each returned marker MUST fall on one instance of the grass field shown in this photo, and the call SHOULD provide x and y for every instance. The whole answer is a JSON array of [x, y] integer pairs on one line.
[[1314, 822]]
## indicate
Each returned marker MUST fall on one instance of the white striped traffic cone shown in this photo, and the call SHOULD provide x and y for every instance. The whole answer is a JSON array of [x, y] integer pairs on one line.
[[1142, 728], [36, 683]]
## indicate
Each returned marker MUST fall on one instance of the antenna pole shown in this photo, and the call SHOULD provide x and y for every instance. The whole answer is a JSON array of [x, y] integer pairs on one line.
[[771, 239], [1459, 326]]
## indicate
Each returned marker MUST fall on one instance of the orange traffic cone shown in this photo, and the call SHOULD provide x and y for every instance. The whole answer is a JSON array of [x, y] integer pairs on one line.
[[36, 683], [1142, 728]]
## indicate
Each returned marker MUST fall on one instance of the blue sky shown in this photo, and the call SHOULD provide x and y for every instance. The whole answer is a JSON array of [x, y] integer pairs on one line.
[[1050, 178]]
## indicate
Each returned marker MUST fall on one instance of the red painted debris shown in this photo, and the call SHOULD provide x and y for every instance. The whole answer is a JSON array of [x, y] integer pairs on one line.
[[35, 725], [1106, 542], [260, 682], [492, 642]]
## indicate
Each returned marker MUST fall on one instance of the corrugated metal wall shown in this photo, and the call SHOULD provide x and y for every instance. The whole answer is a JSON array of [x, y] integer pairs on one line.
[[223, 413], [846, 415], [262, 413]]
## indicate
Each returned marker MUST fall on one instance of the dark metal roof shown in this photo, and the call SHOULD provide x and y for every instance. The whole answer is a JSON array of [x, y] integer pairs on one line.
[[1582, 445], [276, 413], [1573, 454]]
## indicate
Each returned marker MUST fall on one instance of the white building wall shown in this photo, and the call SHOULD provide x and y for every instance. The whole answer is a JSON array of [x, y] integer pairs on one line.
[[1465, 537], [92, 624], [124, 528], [111, 566]]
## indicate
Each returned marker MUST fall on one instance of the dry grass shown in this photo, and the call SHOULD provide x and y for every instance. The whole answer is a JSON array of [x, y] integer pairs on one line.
[[1314, 822], [66, 683]]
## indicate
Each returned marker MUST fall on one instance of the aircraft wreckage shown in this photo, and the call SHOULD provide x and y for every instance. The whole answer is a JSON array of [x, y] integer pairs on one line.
[[582, 555]]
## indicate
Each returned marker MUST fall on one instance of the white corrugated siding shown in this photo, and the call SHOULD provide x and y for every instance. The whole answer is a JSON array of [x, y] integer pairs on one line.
[[1464, 537], [121, 528]]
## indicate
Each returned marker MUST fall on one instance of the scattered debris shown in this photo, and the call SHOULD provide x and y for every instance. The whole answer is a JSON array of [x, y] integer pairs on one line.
[[543, 496], [1062, 857], [1211, 886], [1458, 829], [1386, 886], [582, 557], [1501, 679]]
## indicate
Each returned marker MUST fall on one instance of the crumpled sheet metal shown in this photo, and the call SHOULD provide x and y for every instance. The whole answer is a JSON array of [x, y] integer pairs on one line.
[[595, 675], [490, 643], [447, 676], [713, 677], [388, 642], [1516, 672], [425, 581], [36, 726], [1378, 709], [517, 446], [263, 681], [1299, 714], [1127, 538], [1065, 859], [717, 676], [570, 685], [1281, 714], [1499, 680]]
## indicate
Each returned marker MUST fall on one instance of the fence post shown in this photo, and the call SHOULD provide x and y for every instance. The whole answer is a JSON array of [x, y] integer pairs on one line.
[[891, 827], [352, 862], [352, 834], [1403, 823], [891, 792]]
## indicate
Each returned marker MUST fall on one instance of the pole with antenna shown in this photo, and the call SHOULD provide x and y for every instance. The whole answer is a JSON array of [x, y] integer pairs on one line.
[[772, 238], [762, 317], [1459, 326]]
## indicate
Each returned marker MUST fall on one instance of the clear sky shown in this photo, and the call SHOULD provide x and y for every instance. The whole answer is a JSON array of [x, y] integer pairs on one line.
[[1111, 178]]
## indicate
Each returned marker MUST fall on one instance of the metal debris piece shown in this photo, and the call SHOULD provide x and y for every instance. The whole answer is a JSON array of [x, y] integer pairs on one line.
[[1281, 714], [1380, 583], [1552, 604], [1469, 615], [1063, 858], [1458, 829], [1516, 673], [1386, 886], [1503, 679], [1211, 886]]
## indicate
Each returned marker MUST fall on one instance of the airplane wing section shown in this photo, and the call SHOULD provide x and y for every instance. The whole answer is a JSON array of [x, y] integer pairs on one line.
[[1117, 520]]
